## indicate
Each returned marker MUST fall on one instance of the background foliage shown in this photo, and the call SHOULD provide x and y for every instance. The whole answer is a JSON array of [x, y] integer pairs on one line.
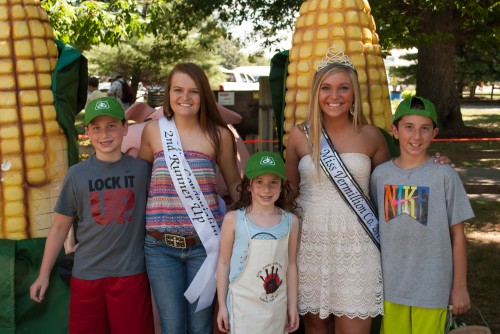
[[456, 39]]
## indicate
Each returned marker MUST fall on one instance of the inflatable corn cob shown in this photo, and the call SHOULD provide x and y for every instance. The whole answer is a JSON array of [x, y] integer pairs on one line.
[[33, 153], [349, 25]]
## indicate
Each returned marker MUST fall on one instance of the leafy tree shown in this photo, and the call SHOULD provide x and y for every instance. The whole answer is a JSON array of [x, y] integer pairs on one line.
[[438, 29], [477, 63], [406, 74], [87, 23], [148, 35], [142, 39], [147, 60], [84, 23]]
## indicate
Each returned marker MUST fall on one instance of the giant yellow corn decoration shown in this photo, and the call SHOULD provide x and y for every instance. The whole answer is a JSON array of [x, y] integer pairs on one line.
[[349, 25], [32, 145]]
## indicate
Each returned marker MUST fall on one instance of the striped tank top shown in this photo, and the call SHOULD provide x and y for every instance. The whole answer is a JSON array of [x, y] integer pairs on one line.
[[164, 210]]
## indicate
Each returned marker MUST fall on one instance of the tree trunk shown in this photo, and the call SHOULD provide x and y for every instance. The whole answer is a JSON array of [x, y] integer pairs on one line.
[[472, 90], [134, 85], [460, 89], [435, 71]]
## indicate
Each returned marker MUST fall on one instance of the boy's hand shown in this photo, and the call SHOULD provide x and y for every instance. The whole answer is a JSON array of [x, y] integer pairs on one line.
[[459, 301], [293, 320], [222, 319], [38, 288]]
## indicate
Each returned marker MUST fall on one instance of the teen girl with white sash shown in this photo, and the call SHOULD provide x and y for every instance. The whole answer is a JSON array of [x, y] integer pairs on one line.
[[183, 213], [340, 276], [257, 271]]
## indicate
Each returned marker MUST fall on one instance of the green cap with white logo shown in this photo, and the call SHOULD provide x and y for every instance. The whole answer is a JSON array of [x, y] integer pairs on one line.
[[265, 163], [104, 106], [406, 108]]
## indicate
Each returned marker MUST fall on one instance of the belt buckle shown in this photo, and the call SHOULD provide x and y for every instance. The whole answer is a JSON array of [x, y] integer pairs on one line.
[[175, 241]]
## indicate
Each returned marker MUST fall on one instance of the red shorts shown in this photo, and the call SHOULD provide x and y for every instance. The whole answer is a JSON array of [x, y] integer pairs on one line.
[[111, 305]]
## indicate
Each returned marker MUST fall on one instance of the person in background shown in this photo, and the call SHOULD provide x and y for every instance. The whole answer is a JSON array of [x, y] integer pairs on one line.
[[116, 88], [257, 267], [109, 290], [422, 207], [93, 91], [184, 211]]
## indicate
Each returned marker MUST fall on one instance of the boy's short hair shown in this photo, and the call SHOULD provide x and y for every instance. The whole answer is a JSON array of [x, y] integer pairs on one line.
[[107, 106], [415, 105]]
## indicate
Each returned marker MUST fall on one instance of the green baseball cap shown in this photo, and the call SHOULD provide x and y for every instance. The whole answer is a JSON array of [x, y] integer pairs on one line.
[[265, 163], [108, 106], [404, 108]]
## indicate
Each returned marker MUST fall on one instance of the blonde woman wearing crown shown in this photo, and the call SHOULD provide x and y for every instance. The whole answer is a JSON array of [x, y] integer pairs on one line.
[[340, 277]]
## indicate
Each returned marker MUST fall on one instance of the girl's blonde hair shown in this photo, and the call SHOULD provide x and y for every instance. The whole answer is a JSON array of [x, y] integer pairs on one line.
[[315, 119]]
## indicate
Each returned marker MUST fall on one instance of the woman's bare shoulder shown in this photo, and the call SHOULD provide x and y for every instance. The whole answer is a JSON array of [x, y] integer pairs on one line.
[[297, 133], [223, 130], [152, 125], [372, 132], [299, 128]]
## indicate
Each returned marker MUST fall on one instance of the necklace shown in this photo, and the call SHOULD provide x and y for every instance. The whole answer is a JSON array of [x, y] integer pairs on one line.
[[407, 171]]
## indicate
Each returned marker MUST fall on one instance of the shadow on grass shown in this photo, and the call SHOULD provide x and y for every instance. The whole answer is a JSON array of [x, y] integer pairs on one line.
[[484, 153], [483, 274], [490, 121], [483, 279]]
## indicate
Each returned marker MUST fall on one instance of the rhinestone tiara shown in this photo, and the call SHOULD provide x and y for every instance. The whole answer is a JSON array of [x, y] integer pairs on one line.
[[335, 55]]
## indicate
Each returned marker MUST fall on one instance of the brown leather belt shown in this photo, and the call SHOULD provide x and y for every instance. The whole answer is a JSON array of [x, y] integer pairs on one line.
[[175, 241]]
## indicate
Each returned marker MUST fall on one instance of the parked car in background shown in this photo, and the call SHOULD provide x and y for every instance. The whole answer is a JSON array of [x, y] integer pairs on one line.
[[255, 71], [104, 86], [236, 80], [139, 97]]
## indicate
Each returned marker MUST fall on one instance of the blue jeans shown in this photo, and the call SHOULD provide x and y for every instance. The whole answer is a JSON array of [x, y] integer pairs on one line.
[[170, 271]]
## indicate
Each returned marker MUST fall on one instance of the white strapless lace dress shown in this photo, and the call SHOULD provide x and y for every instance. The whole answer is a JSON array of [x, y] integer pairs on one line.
[[339, 265]]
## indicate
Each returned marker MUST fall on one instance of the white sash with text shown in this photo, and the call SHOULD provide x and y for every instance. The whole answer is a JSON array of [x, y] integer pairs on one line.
[[198, 210], [339, 175]]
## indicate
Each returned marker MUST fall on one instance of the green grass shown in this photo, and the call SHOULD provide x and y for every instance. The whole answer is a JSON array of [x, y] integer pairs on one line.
[[474, 153], [470, 153], [491, 121], [487, 212], [483, 279], [483, 275]]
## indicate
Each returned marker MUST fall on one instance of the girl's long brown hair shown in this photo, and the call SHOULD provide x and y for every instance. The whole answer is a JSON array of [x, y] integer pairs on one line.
[[209, 115]]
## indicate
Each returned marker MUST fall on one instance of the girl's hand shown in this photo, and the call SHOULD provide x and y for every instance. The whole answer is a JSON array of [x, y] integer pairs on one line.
[[293, 320], [443, 160], [222, 319]]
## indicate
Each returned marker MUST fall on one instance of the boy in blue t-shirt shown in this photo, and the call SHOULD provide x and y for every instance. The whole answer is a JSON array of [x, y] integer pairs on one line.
[[422, 208]]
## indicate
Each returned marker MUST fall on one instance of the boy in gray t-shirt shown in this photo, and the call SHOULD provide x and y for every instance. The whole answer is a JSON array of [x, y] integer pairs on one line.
[[422, 207], [109, 291]]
